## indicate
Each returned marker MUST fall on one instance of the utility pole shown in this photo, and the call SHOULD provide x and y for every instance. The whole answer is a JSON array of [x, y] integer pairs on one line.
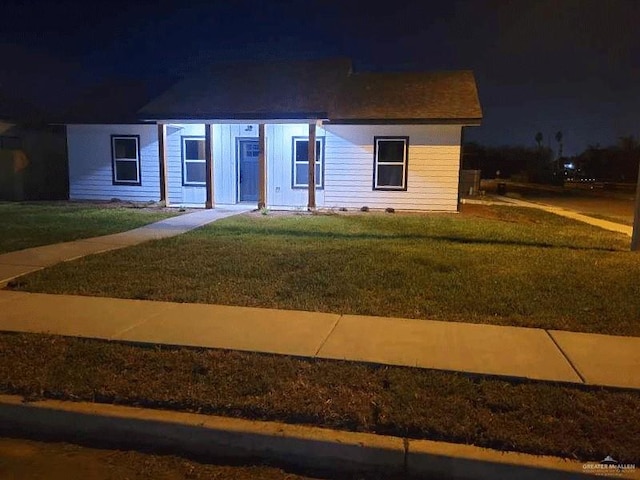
[[635, 237]]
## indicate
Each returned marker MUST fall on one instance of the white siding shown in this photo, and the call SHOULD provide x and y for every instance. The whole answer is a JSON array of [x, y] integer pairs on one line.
[[280, 191], [179, 194], [433, 167], [432, 180], [225, 138], [279, 158], [90, 163]]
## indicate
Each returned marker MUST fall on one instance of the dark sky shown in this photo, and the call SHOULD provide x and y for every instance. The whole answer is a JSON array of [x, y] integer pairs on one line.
[[542, 65]]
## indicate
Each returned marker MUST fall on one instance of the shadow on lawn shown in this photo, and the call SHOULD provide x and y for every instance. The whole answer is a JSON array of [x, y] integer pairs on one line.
[[224, 231]]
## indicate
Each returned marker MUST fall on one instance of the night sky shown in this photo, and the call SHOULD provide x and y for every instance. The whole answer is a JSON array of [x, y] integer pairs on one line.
[[543, 65]]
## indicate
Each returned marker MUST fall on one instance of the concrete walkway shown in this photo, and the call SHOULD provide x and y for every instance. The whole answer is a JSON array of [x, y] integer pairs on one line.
[[563, 212], [21, 262], [486, 349]]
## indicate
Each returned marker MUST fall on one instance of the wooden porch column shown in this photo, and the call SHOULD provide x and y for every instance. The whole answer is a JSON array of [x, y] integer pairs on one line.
[[262, 168], [312, 167], [162, 156], [208, 157]]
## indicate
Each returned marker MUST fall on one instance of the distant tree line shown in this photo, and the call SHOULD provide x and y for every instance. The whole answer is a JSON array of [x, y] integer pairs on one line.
[[529, 163], [615, 163]]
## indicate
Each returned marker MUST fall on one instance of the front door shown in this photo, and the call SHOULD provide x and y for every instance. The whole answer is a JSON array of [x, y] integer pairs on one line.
[[248, 151]]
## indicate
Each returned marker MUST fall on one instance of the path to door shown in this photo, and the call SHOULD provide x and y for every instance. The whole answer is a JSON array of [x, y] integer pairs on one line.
[[21, 262]]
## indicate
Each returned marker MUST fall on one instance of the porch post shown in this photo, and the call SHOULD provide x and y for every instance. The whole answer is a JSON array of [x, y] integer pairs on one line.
[[312, 167], [208, 156], [162, 156], [262, 167]]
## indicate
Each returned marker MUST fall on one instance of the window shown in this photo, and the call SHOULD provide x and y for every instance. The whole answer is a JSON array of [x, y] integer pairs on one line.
[[194, 170], [390, 163], [301, 162], [125, 151]]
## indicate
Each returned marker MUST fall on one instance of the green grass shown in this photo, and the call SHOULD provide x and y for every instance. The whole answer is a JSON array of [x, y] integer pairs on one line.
[[25, 225], [535, 417], [499, 265]]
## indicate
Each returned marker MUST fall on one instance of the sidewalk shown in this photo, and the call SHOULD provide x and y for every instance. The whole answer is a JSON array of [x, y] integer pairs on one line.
[[539, 354], [563, 212], [21, 262]]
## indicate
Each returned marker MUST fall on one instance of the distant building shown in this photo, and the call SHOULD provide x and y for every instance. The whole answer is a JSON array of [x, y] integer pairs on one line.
[[33, 162]]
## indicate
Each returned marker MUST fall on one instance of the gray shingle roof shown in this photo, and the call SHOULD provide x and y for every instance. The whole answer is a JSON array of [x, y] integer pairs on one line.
[[411, 96], [253, 90], [326, 89]]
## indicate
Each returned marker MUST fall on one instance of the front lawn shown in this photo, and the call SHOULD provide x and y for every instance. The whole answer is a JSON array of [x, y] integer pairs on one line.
[[535, 417], [26, 225], [500, 265]]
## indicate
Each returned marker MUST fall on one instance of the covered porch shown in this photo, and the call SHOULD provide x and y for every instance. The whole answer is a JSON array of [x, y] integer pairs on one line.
[[256, 163]]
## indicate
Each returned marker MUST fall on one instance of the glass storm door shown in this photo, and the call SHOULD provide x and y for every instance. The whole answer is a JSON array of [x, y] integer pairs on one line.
[[248, 151]]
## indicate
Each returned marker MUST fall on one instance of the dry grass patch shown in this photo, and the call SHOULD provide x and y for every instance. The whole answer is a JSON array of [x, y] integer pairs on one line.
[[534, 417]]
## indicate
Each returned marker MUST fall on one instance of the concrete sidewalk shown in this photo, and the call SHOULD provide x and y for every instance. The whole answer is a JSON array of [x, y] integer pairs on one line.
[[485, 349], [21, 262], [563, 212]]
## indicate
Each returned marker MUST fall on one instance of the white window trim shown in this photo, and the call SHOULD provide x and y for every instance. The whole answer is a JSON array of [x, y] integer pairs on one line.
[[185, 160], [376, 163], [115, 160], [319, 162]]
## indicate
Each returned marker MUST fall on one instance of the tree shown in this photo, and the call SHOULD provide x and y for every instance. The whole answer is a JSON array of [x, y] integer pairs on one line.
[[539, 138], [627, 155], [635, 234], [628, 143], [559, 140]]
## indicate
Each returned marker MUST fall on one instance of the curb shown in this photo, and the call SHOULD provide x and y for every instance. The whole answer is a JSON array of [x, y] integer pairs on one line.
[[293, 445]]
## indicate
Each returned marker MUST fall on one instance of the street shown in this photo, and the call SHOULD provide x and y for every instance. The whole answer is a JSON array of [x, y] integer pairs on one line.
[[32, 460]]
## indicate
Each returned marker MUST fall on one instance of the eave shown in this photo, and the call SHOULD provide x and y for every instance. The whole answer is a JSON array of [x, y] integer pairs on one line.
[[407, 121]]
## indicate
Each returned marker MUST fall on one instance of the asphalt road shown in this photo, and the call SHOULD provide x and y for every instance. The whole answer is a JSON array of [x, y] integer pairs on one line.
[[33, 460]]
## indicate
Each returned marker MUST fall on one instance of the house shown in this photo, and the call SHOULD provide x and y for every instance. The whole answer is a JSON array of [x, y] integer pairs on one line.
[[284, 135], [33, 163]]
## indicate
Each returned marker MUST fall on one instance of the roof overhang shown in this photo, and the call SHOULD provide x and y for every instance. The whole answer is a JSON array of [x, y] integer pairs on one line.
[[233, 121], [475, 122], [467, 122], [235, 117]]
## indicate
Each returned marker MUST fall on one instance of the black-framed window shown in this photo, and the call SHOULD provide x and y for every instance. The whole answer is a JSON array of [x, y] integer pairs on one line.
[[125, 154], [194, 170], [301, 162], [390, 161]]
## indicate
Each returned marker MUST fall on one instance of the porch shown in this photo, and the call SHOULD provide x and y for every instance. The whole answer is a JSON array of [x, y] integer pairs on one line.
[[241, 163]]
